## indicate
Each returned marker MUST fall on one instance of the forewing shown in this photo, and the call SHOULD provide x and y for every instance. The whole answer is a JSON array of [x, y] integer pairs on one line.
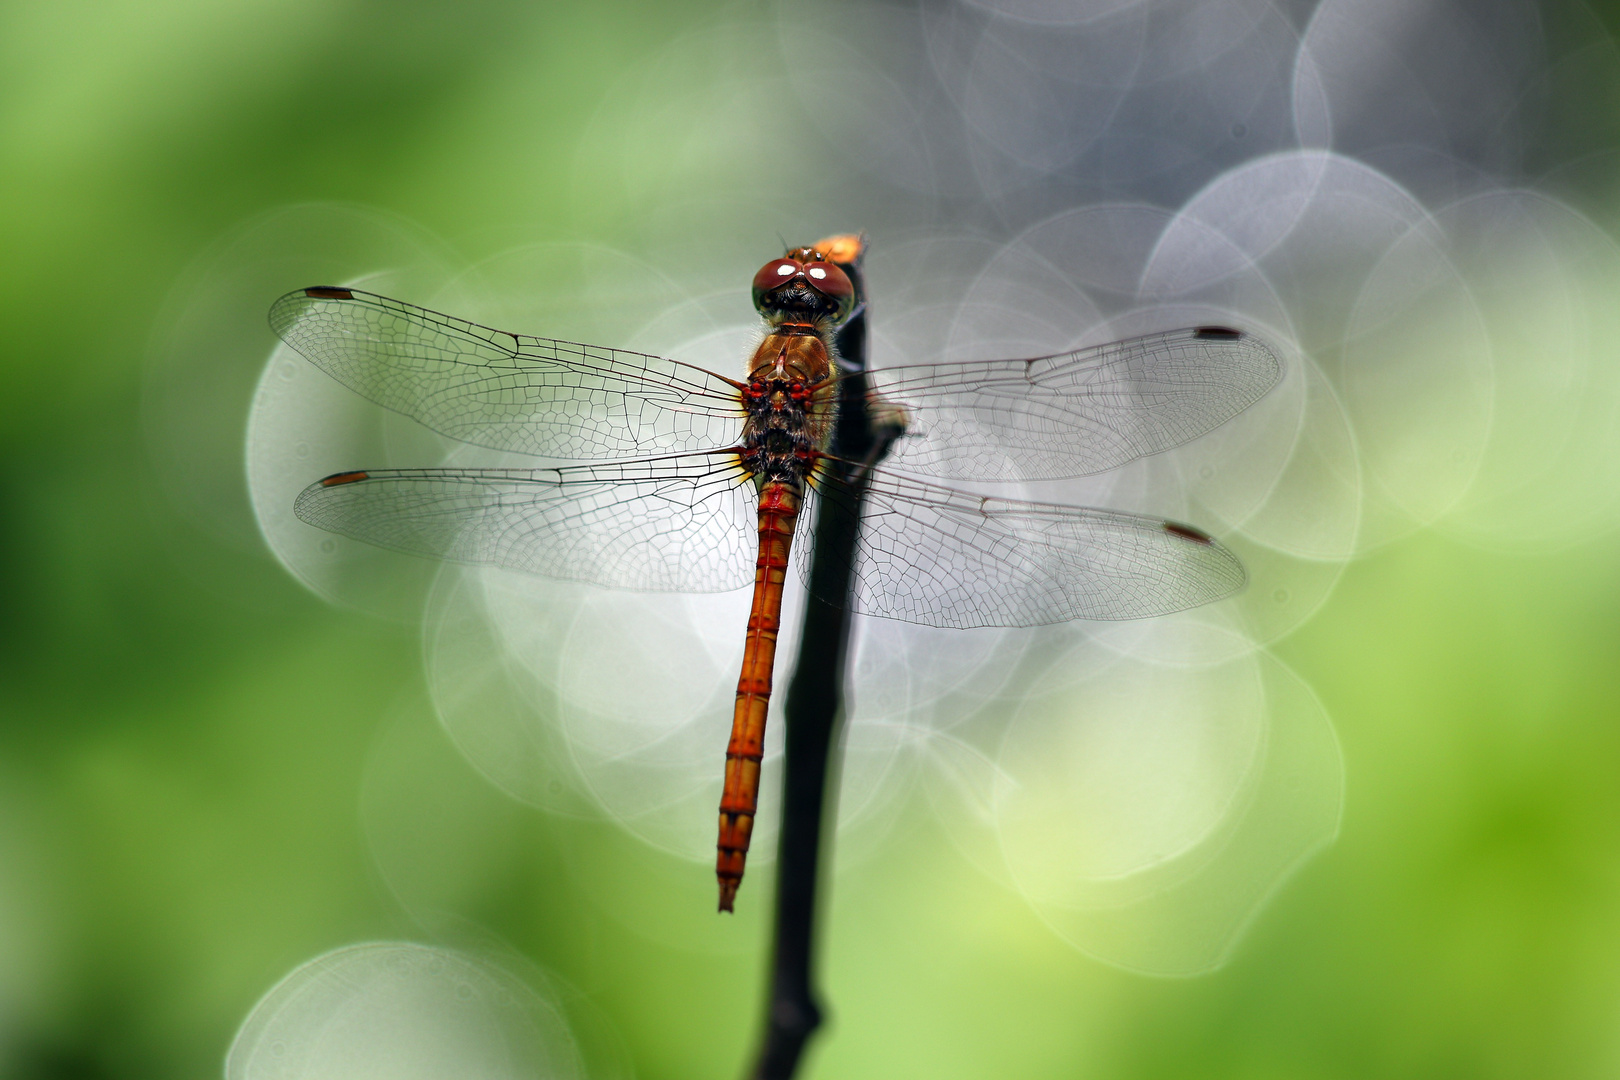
[[681, 524], [1074, 413], [940, 557], [487, 387]]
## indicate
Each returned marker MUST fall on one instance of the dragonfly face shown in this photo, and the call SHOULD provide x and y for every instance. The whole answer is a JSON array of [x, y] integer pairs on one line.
[[687, 480], [805, 285]]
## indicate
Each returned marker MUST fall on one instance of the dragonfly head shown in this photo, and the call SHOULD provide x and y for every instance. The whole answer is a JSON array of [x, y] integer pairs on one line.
[[803, 284]]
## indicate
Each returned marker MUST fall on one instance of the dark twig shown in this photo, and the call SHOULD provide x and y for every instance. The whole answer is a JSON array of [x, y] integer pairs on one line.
[[813, 708]]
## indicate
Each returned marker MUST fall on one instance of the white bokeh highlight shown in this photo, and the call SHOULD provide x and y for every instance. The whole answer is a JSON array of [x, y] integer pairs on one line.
[[402, 1011]]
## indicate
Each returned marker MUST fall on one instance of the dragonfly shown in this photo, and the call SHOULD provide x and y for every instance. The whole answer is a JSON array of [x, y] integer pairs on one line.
[[660, 475]]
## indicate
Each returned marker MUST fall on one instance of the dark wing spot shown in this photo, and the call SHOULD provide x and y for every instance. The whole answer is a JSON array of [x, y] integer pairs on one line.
[[343, 478], [1187, 532], [1217, 333], [328, 292]]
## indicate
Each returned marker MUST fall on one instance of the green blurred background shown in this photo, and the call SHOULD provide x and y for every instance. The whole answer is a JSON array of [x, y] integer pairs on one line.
[[184, 729]]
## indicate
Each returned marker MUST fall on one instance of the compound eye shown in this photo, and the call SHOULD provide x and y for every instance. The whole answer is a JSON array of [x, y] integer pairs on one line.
[[829, 280], [775, 273]]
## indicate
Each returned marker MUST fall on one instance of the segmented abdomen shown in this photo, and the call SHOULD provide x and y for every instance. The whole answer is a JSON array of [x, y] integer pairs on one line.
[[778, 514]]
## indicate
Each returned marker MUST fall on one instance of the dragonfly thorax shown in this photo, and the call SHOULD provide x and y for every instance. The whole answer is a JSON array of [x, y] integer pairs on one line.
[[789, 405]]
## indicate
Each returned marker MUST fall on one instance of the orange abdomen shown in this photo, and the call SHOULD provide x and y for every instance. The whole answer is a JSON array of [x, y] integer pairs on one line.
[[778, 514]]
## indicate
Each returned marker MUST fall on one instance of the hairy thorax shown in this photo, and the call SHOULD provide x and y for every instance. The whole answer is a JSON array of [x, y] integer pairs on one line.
[[791, 404]]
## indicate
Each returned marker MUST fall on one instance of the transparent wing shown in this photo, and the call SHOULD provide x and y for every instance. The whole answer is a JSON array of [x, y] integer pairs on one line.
[[507, 391], [940, 557], [1074, 413], [683, 524]]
